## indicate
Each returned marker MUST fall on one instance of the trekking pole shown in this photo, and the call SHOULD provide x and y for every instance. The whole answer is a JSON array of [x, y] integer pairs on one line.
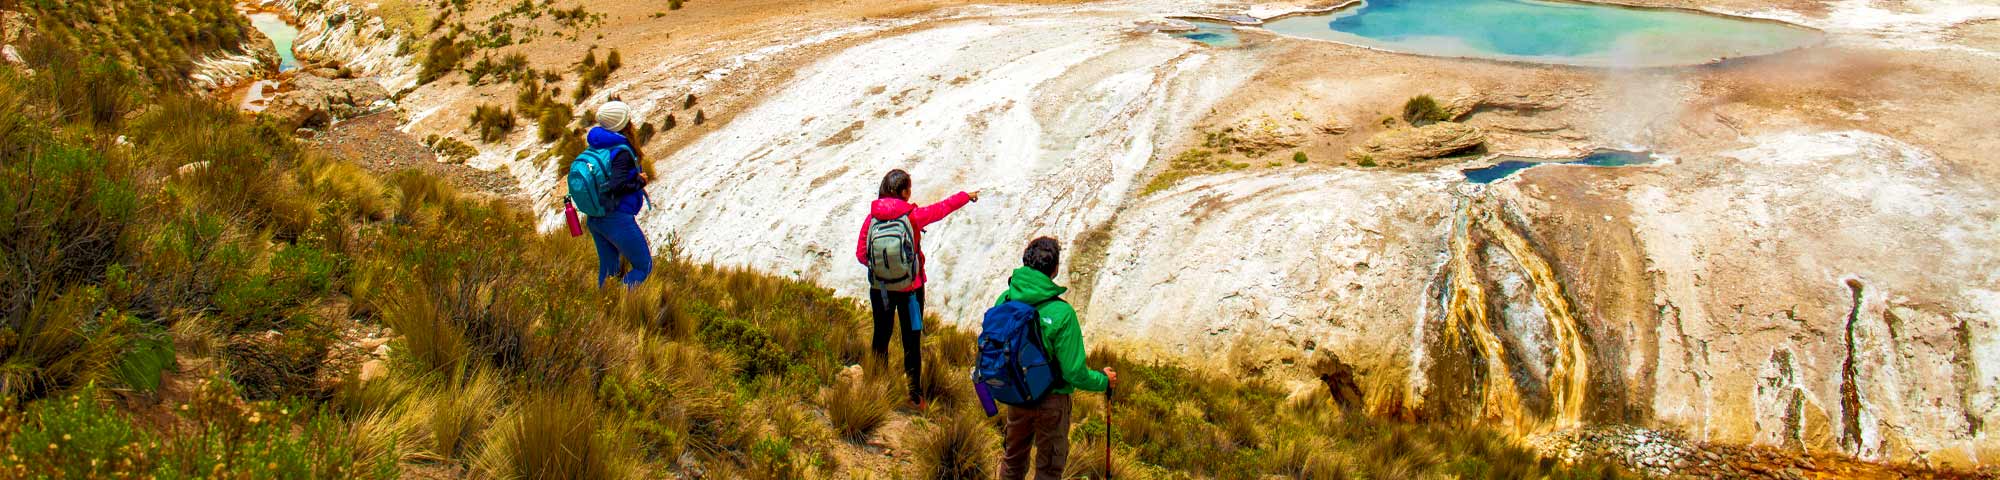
[[1107, 432]]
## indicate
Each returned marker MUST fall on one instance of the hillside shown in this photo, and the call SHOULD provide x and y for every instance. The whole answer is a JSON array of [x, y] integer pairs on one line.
[[194, 294]]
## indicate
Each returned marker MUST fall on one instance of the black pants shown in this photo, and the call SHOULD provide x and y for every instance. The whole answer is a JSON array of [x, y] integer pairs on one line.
[[901, 311]]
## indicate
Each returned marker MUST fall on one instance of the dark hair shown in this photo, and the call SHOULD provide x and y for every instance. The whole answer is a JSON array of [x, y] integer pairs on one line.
[[1043, 255], [894, 184]]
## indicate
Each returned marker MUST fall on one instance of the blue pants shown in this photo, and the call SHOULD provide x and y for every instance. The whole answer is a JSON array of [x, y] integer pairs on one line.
[[618, 235]]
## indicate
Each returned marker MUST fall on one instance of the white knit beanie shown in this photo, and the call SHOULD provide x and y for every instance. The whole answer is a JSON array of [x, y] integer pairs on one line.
[[614, 115]]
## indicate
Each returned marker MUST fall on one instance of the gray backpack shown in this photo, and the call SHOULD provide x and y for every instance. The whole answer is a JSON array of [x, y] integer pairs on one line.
[[892, 254]]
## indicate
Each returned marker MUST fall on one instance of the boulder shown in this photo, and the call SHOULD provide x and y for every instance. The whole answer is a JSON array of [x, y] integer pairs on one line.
[[1256, 136], [373, 370], [1409, 145], [315, 100]]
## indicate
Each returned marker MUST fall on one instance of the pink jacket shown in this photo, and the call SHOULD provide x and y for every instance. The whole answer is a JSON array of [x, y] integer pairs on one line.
[[890, 208]]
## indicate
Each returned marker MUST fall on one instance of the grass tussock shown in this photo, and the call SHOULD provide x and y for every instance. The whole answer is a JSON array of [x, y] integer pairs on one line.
[[858, 404], [963, 444], [553, 435], [492, 122]]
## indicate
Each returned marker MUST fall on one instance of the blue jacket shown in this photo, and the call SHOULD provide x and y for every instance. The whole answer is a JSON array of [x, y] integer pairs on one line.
[[629, 189]]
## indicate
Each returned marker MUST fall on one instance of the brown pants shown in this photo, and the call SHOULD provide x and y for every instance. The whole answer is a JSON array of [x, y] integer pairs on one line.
[[1044, 428]]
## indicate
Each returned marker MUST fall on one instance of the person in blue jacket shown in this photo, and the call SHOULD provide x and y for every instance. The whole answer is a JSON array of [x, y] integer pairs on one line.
[[617, 233]]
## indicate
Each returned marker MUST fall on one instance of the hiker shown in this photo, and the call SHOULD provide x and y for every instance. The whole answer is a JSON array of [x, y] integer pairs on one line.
[[620, 193], [1043, 426], [891, 247]]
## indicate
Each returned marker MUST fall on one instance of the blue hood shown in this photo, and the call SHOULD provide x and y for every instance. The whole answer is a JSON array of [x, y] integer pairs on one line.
[[601, 138]]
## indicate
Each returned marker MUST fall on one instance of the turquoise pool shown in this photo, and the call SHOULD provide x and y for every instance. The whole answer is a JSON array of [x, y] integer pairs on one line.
[[282, 35], [1509, 166], [1553, 32]]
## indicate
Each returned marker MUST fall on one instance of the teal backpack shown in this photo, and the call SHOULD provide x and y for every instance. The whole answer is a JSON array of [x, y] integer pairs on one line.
[[590, 178]]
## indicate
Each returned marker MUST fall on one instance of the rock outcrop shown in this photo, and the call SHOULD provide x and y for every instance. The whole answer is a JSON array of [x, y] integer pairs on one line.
[[227, 69], [348, 32], [315, 100], [1410, 145], [1467, 103]]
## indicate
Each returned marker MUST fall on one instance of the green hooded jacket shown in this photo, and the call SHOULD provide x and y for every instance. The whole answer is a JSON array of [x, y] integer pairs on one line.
[[1060, 332]]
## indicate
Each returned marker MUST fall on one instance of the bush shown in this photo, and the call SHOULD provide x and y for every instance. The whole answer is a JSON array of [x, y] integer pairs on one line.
[[751, 345], [1299, 157], [73, 437], [1423, 110]]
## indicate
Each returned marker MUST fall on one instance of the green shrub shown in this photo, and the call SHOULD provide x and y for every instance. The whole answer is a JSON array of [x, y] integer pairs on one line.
[[751, 344], [74, 437], [1299, 157], [1423, 110]]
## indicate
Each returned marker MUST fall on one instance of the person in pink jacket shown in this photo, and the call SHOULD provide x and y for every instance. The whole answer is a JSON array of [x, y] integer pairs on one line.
[[899, 299]]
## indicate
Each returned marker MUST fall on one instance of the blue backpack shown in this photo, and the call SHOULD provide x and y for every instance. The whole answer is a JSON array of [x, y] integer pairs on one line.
[[590, 179], [1013, 363]]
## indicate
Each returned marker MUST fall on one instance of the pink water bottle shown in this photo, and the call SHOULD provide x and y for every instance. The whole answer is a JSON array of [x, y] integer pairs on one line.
[[569, 214]]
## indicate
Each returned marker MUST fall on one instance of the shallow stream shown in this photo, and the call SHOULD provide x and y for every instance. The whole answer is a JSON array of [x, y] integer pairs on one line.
[[282, 35]]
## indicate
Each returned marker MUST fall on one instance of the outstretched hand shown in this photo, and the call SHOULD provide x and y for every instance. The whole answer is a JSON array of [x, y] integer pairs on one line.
[[974, 195]]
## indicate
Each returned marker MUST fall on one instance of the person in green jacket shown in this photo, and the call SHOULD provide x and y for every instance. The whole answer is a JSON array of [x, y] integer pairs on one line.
[[1044, 427]]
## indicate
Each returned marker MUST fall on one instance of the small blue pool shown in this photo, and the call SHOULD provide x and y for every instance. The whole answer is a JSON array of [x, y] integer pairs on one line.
[[1214, 34], [1511, 165], [1555, 32]]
